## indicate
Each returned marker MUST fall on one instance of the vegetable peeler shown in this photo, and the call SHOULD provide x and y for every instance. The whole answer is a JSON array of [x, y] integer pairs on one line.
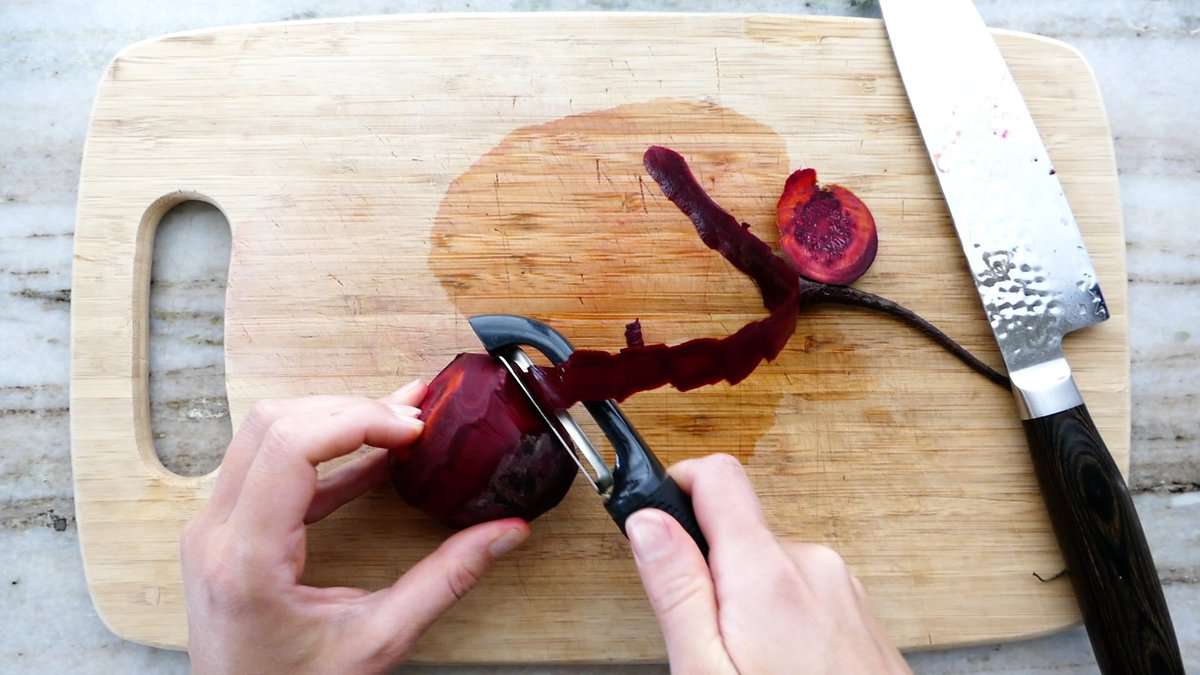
[[639, 479]]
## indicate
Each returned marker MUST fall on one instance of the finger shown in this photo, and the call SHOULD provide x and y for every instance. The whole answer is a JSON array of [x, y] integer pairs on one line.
[[409, 395], [822, 567], [244, 446], [726, 505], [680, 591], [347, 482], [400, 614], [746, 561], [282, 479]]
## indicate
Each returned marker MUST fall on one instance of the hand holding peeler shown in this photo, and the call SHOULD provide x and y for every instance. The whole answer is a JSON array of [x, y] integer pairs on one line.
[[638, 480]]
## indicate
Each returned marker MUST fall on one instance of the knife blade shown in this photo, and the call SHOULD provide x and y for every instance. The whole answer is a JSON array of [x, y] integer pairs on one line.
[[1017, 230], [1037, 284]]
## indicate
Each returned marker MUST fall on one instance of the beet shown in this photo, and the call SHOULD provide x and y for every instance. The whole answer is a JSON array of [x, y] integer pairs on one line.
[[485, 453], [828, 233], [591, 375]]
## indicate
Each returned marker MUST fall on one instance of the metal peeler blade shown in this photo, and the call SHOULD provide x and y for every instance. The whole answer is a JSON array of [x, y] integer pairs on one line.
[[638, 480]]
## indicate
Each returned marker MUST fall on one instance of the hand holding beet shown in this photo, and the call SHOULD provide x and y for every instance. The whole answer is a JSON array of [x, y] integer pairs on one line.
[[244, 552], [485, 453]]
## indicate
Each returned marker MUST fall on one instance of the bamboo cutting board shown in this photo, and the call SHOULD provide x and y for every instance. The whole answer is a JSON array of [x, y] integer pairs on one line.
[[385, 178]]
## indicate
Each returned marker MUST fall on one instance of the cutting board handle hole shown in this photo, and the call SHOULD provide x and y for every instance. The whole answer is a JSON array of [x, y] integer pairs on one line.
[[186, 337]]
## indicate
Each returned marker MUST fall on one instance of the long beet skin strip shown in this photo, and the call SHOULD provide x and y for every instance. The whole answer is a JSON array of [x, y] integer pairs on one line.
[[591, 375], [752, 256], [718, 229]]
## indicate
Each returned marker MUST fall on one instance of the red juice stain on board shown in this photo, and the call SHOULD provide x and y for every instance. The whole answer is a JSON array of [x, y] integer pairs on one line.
[[560, 222]]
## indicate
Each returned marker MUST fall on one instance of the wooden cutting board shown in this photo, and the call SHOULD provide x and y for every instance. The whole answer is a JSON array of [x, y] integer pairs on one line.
[[385, 178]]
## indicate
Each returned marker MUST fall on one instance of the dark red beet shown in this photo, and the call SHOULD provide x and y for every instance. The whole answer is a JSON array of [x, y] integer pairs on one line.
[[828, 233], [484, 454]]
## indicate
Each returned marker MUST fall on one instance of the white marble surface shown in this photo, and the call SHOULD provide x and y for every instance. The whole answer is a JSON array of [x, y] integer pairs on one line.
[[1145, 55]]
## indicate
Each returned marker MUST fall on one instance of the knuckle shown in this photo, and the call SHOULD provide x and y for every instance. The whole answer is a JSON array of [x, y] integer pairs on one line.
[[224, 584], [264, 411], [783, 581], [219, 576], [726, 462], [361, 412], [822, 559], [461, 578], [374, 409], [281, 435], [676, 593]]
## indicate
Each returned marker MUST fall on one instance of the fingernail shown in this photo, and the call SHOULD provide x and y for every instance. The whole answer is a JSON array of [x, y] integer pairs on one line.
[[508, 541], [401, 410], [648, 535], [406, 389], [406, 417]]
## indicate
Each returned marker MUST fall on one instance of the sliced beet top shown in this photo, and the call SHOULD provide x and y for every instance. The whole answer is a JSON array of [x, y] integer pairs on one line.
[[827, 232]]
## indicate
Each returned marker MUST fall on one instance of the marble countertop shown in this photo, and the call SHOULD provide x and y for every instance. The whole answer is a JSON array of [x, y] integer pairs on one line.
[[52, 53]]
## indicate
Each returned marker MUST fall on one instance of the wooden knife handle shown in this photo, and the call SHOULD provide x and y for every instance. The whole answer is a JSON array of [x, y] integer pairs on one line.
[[1102, 541]]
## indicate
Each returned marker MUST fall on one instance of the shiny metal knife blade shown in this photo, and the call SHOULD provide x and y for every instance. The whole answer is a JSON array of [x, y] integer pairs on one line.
[[1026, 255], [1037, 284]]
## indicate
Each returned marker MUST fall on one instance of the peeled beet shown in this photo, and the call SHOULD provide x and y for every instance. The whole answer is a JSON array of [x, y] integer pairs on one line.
[[485, 454], [827, 232]]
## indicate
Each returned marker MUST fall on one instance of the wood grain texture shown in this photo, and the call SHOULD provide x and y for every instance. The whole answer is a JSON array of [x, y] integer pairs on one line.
[[1108, 560], [351, 159]]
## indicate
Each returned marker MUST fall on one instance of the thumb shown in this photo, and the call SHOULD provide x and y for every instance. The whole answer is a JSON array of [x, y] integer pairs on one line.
[[680, 590], [403, 612]]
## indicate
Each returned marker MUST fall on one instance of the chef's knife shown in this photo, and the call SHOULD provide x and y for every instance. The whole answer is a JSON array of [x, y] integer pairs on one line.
[[1037, 284]]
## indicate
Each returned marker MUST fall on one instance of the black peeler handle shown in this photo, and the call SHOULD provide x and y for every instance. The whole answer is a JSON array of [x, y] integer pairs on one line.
[[665, 496], [639, 480]]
